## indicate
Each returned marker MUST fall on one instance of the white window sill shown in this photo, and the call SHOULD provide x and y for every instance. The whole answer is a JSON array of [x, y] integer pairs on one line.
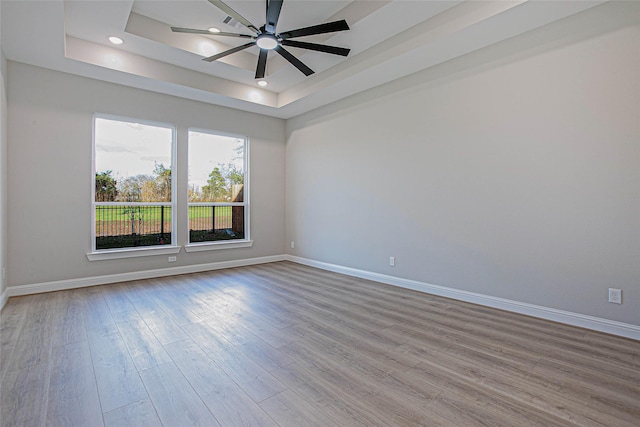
[[132, 252], [214, 246]]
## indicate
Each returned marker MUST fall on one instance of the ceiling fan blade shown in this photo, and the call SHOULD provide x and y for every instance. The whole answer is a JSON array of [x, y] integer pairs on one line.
[[319, 47], [228, 52], [294, 61], [209, 33], [329, 27], [273, 13], [235, 15], [262, 64]]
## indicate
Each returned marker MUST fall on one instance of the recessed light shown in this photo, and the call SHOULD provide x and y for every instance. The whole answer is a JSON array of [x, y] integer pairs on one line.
[[115, 40], [255, 96], [262, 83], [214, 30]]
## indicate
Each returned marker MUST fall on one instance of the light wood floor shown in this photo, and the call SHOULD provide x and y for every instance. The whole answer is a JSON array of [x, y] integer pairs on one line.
[[286, 345]]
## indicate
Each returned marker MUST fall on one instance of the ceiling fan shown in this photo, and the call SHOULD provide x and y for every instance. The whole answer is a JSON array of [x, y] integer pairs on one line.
[[266, 37]]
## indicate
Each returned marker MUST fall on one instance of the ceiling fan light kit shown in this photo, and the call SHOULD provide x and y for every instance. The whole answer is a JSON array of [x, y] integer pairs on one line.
[[266, 37], [267, 41]]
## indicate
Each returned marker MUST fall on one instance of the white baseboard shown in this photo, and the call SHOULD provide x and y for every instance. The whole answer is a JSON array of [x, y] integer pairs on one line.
[[4, 296], [575, 319], [60, 285]]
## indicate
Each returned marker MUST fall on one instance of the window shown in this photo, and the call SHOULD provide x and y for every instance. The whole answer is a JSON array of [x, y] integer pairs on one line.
[[134, 193], [217, 199]]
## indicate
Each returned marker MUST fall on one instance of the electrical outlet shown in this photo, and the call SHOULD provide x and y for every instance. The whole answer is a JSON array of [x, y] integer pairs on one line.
[[615, 296], [293, 244], [392, 261], [172, 259]]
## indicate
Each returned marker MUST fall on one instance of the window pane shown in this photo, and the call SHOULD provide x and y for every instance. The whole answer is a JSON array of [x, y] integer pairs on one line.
[[132, 162], [216, 168], [216, 187], [212, 223], [133, 191]]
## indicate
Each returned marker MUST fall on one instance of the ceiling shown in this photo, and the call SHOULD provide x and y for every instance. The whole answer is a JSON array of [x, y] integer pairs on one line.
[[388, 40]]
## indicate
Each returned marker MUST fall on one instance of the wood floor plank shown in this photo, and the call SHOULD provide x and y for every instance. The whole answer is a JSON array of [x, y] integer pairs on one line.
[[310, 295], [291, 410], [24, 394], [302, 379], [246, 323], [278, 315], [424, 339], [260, 351], [144, 348], [163, 327], [97, 316], [460, 411], [13, 320], [254, 380], [138, 414], [512, 385], [73, 396], [6, 359], [340, 305], [178, 310], [33, 347], [175, 401], [332, 335], [394, 401], [382, 300], [71, 325], [224, 398], [116, 375], [616, 362], [117, 298], [602, 400]]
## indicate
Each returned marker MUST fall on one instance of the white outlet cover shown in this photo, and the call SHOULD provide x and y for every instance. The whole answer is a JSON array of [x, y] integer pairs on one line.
[[615, 296]]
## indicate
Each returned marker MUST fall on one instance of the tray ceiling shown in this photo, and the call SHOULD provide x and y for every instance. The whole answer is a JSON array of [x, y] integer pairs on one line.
[[388, 40]]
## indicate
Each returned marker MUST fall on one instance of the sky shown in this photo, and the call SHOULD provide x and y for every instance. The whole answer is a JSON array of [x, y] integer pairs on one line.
[[130, 149], [206, 151]]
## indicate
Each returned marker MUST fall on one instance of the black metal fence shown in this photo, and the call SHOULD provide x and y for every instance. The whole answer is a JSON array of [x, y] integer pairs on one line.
[[210, 223], [122, 226]]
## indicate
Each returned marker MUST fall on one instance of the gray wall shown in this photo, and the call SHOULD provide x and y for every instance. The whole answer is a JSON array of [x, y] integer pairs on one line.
[[49, 174], [3, 173], [512, 172]]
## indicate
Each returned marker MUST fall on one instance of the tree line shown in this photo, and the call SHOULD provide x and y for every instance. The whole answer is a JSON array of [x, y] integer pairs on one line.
[[223, 185]]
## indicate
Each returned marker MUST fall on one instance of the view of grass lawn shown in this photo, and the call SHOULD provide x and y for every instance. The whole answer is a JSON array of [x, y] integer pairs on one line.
[[199, 212], [126, 213]]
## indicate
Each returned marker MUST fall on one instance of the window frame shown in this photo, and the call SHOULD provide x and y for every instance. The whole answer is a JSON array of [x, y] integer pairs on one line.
[[127, 252], [231, 243]]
